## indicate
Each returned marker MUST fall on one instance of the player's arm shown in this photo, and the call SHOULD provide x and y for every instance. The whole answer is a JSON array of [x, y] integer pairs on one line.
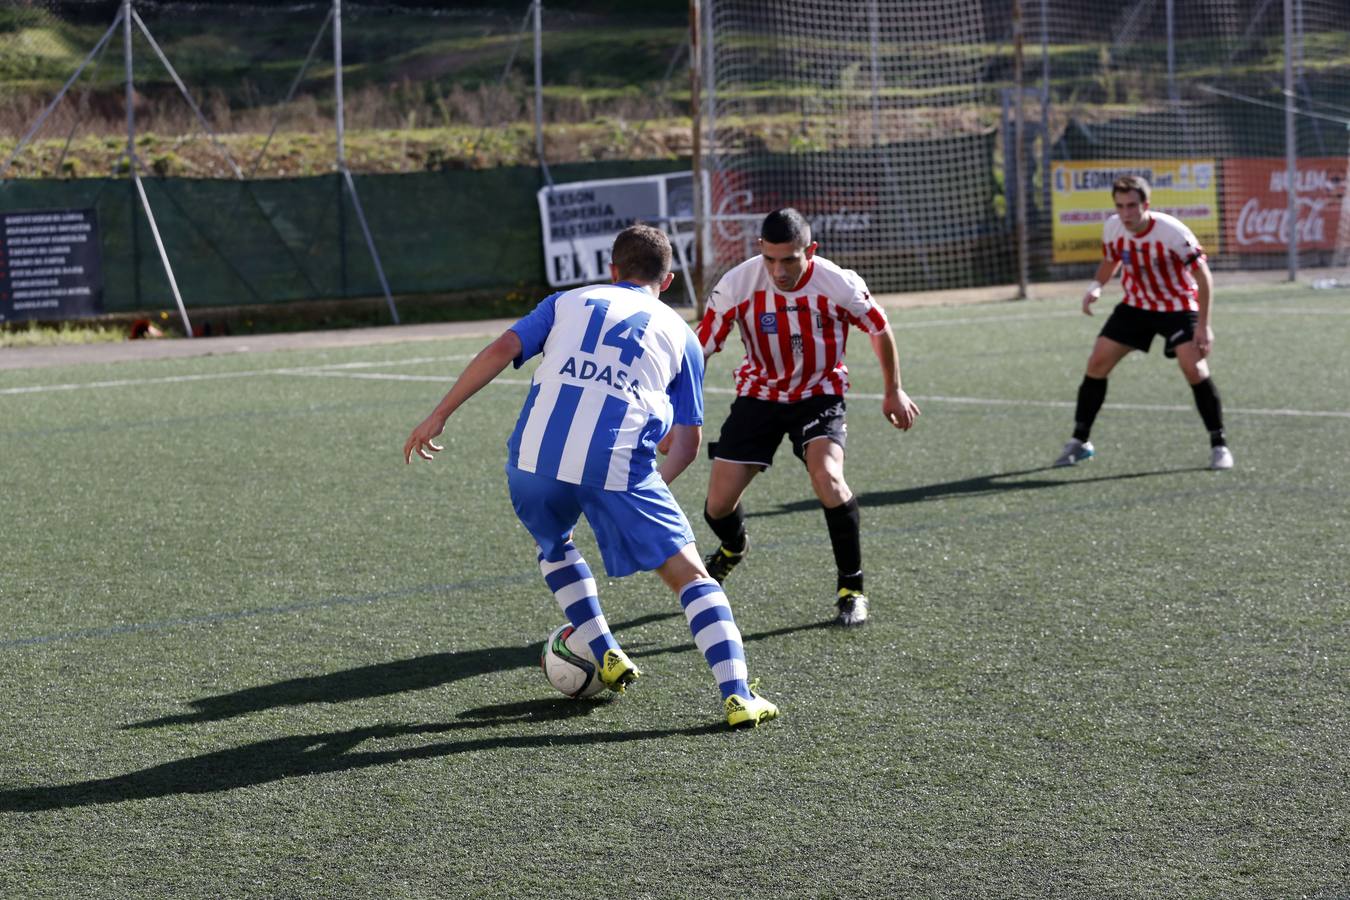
[[484, 367], [681, 449], [705, 331], [713, 328], [896, 406], [1204, 297], [1105, 272], [680, 445]]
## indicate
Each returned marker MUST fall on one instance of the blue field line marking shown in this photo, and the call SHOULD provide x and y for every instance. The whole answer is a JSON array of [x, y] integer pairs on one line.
[[476, 584]]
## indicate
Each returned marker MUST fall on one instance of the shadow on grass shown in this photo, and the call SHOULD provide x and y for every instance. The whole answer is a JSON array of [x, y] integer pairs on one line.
[[747, 638], [364, 682], [399, 676], [315, 754], [267, 761], [980, 486]]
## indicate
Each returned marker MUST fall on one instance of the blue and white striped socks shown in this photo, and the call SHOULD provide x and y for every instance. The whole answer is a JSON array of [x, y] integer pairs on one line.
[[715, 632], [573, 587]]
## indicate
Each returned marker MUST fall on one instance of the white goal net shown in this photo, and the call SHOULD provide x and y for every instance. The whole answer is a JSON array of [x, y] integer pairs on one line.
[[867, 117], [892, 124]]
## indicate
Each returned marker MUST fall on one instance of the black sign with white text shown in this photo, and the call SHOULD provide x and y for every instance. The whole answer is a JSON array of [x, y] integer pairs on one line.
[[50, 265]]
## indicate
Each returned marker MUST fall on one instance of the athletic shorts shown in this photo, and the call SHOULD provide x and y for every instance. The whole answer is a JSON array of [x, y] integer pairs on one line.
[[1135, 327], [637, 529], [754, 429]]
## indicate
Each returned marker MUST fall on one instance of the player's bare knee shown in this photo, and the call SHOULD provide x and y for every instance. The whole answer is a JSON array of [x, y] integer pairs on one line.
[[1100, 366], [830, 486], [720, 507], [1195, 373]]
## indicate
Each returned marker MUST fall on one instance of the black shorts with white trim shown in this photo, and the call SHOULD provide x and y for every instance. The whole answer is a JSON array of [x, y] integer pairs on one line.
[[754, 428]]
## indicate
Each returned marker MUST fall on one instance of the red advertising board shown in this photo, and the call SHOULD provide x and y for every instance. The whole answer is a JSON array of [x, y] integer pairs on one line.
[[1256, 204]]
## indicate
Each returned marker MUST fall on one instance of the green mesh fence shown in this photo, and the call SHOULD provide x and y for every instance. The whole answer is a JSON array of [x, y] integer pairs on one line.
[[283, 240]]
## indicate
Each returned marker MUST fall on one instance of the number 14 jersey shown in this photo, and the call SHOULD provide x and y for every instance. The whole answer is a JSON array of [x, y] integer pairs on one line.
[[619, 367]]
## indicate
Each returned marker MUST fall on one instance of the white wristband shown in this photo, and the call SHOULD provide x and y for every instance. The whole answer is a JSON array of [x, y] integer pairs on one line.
[[1095, 287]]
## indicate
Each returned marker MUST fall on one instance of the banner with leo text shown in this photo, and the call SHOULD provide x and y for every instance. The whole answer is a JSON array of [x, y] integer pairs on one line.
[[1081, 200]]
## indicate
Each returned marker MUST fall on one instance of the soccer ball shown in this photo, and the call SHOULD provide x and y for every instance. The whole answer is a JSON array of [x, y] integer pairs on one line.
[[569, 664]]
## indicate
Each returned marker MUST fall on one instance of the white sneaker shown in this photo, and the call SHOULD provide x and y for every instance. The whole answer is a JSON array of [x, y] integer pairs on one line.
[[1220, 458], [1075, 451]]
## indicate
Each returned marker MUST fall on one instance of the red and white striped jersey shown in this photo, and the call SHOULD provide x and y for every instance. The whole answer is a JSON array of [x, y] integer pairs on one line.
[[794, 340], [1156, 263]]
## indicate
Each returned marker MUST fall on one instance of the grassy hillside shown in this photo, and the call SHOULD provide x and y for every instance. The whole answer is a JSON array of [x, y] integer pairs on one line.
[[429, 88], [424, 89]]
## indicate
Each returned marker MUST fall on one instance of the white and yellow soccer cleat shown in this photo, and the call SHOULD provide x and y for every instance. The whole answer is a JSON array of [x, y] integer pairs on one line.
[[618, 671], [748, 712], [852, 606]]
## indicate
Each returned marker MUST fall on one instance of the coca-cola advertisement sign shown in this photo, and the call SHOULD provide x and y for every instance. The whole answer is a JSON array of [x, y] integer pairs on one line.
[[1256, 204]]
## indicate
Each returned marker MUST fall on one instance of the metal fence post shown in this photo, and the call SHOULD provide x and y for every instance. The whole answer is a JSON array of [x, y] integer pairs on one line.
[[1290, 140], [344, 174], [1019, 154]]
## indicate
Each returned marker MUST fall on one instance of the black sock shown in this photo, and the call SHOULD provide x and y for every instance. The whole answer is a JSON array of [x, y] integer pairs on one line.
[[1211, 410], [1091, 395], [843, 523], [730, 529]]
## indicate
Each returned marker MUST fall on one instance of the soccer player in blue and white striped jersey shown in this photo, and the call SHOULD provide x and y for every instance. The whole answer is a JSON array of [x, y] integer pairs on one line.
[[619, 370]]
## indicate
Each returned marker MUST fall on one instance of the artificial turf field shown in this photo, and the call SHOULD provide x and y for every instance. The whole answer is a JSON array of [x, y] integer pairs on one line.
[[246, 651]]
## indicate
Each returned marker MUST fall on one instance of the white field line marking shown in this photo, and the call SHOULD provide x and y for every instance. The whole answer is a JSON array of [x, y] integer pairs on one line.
[[129, 382], [379, 376], [413, 361], [899, 323], [1276, 311], [247, 373], [1145, 407], [932, 398], [344, 370]]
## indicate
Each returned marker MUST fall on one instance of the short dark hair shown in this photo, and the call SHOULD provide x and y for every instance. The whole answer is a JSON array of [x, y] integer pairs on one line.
[[642, 254], [1126, 183], [785, 226]]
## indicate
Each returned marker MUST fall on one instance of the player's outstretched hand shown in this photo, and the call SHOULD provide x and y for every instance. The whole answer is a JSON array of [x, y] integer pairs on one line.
[[899, 410], [1090, 298], [422, 439]]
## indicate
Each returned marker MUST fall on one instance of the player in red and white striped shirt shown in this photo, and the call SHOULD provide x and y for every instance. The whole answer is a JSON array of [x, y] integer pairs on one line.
[[1168, 293], [794, 311]]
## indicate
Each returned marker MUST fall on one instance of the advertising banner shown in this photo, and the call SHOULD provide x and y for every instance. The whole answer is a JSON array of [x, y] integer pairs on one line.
[[1081, 201], [50, 265], [1256, 204], [581, 219]]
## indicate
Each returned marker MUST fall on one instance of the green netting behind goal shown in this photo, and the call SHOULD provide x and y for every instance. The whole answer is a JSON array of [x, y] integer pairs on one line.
[[281, 240]]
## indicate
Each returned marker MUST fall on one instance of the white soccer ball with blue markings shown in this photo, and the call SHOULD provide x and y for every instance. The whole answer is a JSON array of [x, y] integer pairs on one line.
[[569, 664]]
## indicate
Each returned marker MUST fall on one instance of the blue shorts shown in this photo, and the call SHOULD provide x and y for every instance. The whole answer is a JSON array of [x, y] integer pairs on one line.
[[637, 529]]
